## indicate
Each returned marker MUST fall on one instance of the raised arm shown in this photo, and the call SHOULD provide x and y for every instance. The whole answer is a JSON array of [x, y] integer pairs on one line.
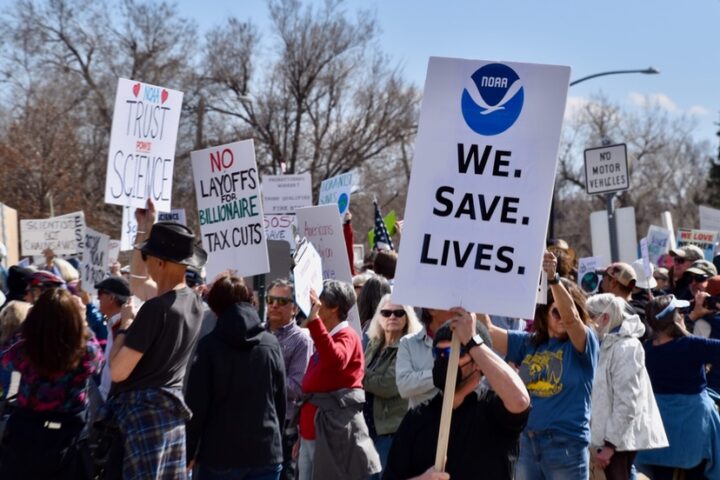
[[141, 285], [576, 329], [499, 335]]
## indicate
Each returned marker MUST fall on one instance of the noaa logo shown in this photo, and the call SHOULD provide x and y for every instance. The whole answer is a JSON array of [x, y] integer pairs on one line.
[[494, 101]]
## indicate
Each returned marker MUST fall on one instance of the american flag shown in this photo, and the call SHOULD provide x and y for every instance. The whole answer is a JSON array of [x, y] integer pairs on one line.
[[382, 239]]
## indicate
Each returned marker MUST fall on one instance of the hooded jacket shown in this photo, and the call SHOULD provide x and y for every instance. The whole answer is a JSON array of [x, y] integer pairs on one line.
[[624, 411], [236, 392]]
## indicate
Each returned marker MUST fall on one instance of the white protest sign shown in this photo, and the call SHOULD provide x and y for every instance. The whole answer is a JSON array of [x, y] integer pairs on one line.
[[64, 234], [667, 223], [113, 251], [481, 185], [94, 264], [658, 240], [129, 229], [645, 255], [606, 169], [176, 215], [229, 209], [307, 274], [705, 239], [542, 290], [142, 145], [587, 279], [321, 226], [280, 227], [336, 191], [709, 218], [286, 193]]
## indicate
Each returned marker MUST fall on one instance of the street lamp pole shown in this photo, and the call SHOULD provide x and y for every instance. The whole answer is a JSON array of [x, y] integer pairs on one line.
[[646, 71]]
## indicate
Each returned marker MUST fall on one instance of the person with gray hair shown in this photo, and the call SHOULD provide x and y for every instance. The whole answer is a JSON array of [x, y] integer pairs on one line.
[[625, 417], [334, 438]]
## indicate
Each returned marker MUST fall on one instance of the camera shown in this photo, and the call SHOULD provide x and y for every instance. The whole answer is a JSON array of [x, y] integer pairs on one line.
[[711, 303]]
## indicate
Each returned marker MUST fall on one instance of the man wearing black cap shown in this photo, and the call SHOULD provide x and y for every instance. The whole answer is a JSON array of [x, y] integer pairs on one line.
[[485, 429], [150, 355], [112, 293]]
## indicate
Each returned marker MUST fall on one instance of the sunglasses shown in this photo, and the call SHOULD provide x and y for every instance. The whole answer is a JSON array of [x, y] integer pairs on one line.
[[698, 278], [444, 352], [282, 301], [144, 256], [679, 260], [399, 313]]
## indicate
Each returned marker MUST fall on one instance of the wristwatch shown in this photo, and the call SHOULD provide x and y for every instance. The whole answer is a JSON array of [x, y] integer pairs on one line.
[[554, 280], [475, 341]]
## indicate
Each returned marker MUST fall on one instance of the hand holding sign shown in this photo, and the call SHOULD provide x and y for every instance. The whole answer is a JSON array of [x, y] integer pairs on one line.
[[145, 217]]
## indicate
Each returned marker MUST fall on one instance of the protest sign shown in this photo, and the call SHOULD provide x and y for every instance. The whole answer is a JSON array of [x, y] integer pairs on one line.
[[587, 279], [64, 234], [113, 251], [481, 184], [307, 274], [286, 193], [645, 255], [542, 290], [176, 215], [667, 223], [709, 218], [658, 240], [94, 264], [142, 145], [321, 226], [336, 191], [129, 229], [281, 227], [229, 209], [705, 239], [9, 234], [280, 261]]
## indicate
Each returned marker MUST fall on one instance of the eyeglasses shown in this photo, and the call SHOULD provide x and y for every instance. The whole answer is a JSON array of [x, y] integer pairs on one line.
[[698, 278], [679, 260], [282, 301], [399, 313], [444, 352], [144, 256]]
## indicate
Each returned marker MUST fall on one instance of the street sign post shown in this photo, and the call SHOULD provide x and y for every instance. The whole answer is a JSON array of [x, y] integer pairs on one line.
[[606, 172]]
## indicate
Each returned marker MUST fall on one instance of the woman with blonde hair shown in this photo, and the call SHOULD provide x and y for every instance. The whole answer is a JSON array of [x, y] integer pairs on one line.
[[625, 417], [384, 408]]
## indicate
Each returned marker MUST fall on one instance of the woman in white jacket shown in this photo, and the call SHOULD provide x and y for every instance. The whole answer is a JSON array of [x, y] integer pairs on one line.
[[625, 417]]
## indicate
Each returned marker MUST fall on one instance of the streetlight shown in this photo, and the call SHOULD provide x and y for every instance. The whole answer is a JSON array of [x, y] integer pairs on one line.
[[646, 71]]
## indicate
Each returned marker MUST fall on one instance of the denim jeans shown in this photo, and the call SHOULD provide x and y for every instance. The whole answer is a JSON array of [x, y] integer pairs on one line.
[[305, 459], [271, 472], [382, 445], [548, 455]]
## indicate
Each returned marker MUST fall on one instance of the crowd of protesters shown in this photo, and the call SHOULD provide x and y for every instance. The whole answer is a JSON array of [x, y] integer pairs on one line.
[[166, 374]]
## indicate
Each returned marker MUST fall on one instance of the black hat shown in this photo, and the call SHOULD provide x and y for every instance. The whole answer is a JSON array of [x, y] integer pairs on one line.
[[18, 281], [175, 243], [114, 285]]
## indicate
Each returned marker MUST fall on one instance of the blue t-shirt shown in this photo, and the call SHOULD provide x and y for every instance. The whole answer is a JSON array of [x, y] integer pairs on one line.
[[559, 380], [679, 365]]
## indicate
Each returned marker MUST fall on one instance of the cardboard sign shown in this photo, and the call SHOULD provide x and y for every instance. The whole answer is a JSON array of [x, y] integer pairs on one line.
[[709, 218], [94, 264], [281, 227], [142, 145], [321, 226], [658, 242], [176, 215], [481, 185], [64, 235], [113, 251], [705, 239], [587, 279], [336, 191], [307, 274], [129, 229], [286, 193], [229, 209]]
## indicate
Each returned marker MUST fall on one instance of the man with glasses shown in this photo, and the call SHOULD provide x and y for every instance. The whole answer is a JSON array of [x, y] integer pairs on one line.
[[112, 293], [296, 346], [683, 257], [698, 276]]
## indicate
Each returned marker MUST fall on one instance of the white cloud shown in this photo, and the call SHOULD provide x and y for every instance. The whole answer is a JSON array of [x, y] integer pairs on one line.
[[659, 99], [698, 110], [574, 105]]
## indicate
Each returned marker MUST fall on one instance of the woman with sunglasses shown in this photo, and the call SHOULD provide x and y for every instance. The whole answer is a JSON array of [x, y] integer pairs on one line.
[[625, 417], [557, 363], [676, 362], [384, 408]]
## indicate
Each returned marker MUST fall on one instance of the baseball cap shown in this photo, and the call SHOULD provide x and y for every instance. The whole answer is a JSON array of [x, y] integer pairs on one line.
[[688, 252], [661, 273], [114, 285], [622, 272], [703, 267], [642, 281]]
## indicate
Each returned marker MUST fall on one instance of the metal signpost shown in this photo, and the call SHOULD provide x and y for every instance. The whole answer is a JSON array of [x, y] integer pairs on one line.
[[606, 172]]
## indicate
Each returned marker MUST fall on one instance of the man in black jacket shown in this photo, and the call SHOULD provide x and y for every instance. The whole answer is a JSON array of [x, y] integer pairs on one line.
[[236, 391]]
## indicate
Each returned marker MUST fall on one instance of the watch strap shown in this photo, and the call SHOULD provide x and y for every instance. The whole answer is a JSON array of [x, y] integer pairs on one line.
[[475, 341]]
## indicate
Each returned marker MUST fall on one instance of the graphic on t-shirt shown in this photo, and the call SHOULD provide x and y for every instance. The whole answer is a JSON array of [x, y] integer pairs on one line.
[[541, 372]]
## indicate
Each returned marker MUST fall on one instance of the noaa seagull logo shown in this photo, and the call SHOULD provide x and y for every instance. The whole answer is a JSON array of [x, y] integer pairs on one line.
[[492, 102]]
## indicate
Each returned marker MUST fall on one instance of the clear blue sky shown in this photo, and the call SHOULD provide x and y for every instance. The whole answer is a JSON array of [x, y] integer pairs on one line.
[[678, 38]]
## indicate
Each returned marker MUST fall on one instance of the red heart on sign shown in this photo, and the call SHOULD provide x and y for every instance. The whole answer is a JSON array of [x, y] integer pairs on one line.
[[164, 95], [136, 89]]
